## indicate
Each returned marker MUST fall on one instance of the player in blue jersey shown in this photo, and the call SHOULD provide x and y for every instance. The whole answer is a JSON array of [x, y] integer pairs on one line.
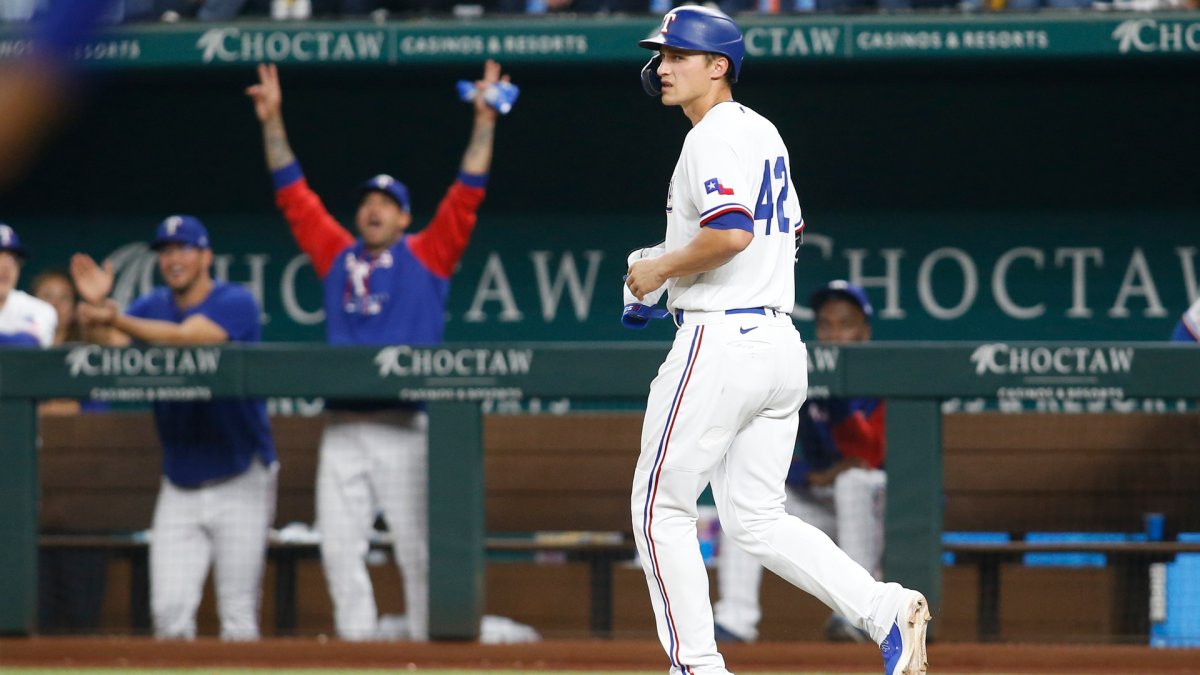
[[385, 287], [217, 498], [25, 321]]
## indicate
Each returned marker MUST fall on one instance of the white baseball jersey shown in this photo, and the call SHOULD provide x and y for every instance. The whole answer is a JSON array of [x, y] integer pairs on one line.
[[735, 161], [26, 316], [723, 408]]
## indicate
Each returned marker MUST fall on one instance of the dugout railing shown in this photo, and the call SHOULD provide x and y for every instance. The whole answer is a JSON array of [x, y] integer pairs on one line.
[[455, 378]]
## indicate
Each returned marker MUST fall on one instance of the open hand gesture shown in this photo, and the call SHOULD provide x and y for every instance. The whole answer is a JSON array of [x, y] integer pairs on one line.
[[93, 282], [267, 94]]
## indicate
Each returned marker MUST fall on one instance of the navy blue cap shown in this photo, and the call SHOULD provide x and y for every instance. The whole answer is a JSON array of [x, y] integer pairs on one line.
[[390, 187], [183, 230], [841, 289], [9, 241]]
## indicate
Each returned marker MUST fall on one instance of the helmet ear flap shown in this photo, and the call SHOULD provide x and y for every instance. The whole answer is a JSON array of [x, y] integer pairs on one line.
[[651, 82]]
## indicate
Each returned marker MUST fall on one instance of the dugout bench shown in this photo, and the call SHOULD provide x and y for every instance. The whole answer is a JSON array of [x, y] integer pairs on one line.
[[914, 377], [101, 475], [1077, 474], [600, 550], [545, 473]]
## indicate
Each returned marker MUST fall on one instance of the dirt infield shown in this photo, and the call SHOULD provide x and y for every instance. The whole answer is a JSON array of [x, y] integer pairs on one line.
[[598, 655]]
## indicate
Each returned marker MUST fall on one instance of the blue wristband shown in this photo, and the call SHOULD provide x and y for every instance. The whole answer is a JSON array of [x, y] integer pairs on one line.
[[475, 180], [287, 175]]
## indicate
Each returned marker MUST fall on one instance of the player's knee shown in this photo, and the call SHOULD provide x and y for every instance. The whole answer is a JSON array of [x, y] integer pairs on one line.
[[746, 533]]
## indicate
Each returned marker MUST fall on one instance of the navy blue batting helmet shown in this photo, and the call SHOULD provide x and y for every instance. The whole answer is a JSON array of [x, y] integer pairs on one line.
[[698, 29]]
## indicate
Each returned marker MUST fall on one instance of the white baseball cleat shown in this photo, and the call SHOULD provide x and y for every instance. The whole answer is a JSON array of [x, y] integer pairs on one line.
[[904, 647]]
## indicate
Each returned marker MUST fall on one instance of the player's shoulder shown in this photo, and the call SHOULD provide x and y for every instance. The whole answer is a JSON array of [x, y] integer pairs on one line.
[[27, 304], [1193, 312], [732, 123], [226, 293], [156, 303], [717, 128], [735, 114], [1188, 329]]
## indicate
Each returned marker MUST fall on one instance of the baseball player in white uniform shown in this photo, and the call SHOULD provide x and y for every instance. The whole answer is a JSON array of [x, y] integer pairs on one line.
[[724, 406], [25, 321]]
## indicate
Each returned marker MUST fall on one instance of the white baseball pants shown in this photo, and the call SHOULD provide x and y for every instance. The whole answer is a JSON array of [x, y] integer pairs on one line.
[[374, 462], [850, 511], [723, 409], [226, 523]]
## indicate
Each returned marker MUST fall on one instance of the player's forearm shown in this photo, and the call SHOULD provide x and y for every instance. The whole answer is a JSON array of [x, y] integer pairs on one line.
[[275, 144], [148, 330], [105, 335], [477, 159], [706, 252], [166, 332]]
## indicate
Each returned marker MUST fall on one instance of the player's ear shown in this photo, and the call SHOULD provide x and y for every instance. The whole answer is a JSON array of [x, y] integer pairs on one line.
[[720, 67]]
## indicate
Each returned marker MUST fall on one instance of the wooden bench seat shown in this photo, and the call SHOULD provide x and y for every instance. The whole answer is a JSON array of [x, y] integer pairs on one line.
[[1070, 474], [100, 477], [1002, 473]]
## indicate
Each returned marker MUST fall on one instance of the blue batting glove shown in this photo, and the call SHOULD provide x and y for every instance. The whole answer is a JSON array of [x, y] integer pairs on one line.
[[637, 316]]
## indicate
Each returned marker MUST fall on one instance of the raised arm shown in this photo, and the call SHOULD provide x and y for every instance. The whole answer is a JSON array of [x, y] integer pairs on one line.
[[268, 106], [477, 160], [318, 233], [441, 244]]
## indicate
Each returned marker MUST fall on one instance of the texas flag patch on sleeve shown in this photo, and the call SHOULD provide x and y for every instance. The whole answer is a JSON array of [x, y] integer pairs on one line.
[[714, 185]]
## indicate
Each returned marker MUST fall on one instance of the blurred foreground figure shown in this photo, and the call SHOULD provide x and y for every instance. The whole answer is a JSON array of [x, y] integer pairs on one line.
[[36, 88]]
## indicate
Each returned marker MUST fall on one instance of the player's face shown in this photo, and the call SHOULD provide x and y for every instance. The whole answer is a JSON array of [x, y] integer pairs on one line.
[[10, 272], [380, 221], [840, 320], [182, 266], [687, 75], [61, 295]]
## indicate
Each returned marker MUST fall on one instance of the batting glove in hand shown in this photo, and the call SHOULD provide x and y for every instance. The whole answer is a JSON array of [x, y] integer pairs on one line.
[[638, 313], [637, 316], [501, 95]]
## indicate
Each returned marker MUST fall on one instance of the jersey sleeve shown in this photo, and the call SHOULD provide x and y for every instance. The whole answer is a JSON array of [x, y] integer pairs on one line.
[[441, 244], [860, 432], [235, 311], [1188, 329], [316, 232], [720, 181]]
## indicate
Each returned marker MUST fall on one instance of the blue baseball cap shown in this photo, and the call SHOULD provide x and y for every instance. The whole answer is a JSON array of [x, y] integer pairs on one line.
[[841, 289], [184, 230], [389, 186], [9, 241]]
